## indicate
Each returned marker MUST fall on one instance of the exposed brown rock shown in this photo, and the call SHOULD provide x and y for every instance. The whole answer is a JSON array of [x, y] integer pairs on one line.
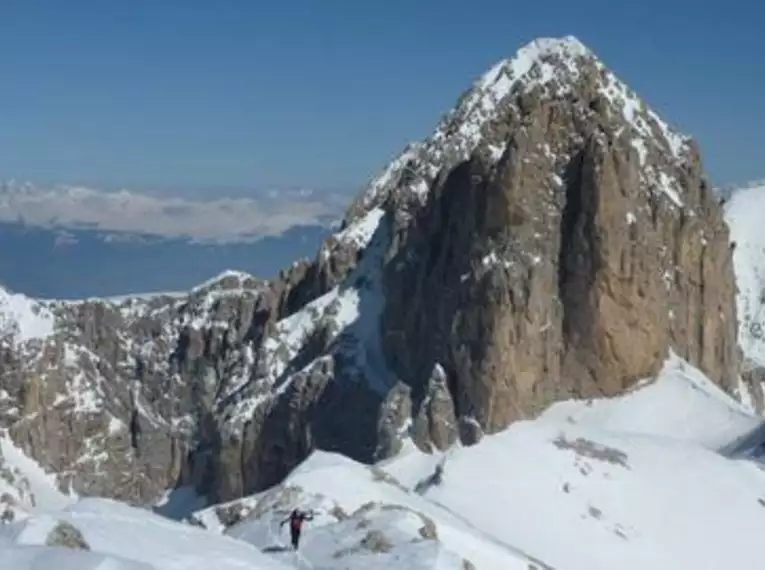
[[571, 298]]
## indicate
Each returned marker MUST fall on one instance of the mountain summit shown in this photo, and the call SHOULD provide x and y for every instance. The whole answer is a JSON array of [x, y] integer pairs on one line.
[[553, 69], [553, 238]]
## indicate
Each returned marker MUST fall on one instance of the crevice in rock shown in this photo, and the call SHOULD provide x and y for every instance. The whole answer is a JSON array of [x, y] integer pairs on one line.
[[135, 432], [570, 238]]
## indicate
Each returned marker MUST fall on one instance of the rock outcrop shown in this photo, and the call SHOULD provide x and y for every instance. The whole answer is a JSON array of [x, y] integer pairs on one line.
[[554, 238], [66, 535]]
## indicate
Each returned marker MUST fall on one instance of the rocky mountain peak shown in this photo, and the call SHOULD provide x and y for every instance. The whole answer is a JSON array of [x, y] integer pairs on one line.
[[561, 69], [553, 238]]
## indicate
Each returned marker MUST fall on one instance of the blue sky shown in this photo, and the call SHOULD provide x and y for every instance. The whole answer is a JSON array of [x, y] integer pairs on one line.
[[217, 93]]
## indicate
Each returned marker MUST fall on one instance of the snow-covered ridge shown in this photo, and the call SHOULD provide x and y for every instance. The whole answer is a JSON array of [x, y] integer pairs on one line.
[[245, 281], [28, 323], [680, 404]]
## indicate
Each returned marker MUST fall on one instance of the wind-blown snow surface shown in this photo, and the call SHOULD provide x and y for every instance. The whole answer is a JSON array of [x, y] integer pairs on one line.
[[744, 214], [634, 482]]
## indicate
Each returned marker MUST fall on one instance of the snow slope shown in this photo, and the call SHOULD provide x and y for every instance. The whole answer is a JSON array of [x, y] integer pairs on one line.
[[349, 312], [591, 499], [353, 499], [744, 212], [682, 404], [17, 557], [633, 482], [146, 540]]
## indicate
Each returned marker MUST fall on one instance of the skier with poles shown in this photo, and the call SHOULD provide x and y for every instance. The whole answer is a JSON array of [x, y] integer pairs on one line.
[[296, 519]]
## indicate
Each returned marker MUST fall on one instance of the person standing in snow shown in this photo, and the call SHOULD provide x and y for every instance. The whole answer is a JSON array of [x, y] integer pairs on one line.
[[296, 519]]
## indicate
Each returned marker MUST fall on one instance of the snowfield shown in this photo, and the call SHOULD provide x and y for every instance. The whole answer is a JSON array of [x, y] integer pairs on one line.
[[42, 557]]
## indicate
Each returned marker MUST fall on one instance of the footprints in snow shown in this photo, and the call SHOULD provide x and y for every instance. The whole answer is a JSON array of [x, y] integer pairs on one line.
[[597, 514]]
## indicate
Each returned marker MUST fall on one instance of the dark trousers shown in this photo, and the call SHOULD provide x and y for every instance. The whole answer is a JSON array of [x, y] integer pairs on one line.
[[295, 533]]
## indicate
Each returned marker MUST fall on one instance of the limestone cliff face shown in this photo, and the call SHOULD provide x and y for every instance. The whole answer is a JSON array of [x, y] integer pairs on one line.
[[566, 267], [553, 238]]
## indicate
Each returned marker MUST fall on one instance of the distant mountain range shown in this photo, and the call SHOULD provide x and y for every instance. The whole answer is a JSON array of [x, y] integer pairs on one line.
[[214, 216], [73, 242]]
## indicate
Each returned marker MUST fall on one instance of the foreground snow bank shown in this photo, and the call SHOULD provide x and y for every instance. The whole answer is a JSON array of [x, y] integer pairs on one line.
[[42, 557], [113, 529]]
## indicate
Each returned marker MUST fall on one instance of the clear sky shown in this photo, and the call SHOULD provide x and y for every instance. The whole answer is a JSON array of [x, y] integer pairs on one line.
[[182, 93]]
